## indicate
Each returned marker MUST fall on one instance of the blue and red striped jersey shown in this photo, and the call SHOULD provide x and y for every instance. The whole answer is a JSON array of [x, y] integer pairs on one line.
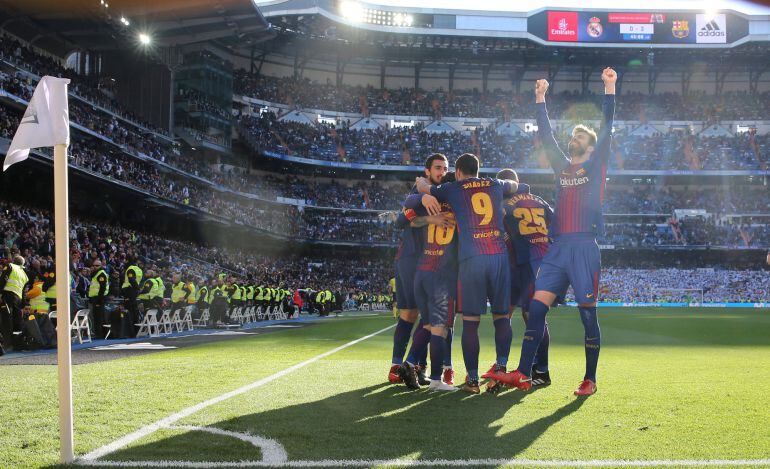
[[478, 207], [411, 238], [439, 244], [527, 218], [579, 187]]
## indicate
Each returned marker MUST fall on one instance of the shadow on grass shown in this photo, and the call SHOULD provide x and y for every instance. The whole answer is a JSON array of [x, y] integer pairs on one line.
[[379, 422]]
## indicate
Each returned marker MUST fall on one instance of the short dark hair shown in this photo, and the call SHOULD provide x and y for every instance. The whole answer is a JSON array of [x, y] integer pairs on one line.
[[508, 174], [448, 177], [468, 163], [434, 157]]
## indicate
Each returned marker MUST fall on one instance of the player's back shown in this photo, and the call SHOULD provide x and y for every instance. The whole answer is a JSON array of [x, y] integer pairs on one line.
[[477, 205], [527, 220]]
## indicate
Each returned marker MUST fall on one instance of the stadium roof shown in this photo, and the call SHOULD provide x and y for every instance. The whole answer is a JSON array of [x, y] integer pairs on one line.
[[741, 6], [60, 26]]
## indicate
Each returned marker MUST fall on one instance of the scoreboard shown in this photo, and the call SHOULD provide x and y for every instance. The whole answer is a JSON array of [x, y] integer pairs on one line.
[[638, 28]]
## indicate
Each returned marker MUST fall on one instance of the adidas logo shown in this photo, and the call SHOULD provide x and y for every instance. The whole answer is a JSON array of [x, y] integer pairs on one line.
[[711, 29]]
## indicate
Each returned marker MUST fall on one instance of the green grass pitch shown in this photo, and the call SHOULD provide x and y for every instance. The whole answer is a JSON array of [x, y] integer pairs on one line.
[[689, 384]]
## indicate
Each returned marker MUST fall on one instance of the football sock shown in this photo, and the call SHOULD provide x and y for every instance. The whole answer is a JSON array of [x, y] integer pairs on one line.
[[470, 343], [533, 335], [541, 358], [593, 336], [448, 348], [437, 352], [401, 340], [503, 338], [419, 350]]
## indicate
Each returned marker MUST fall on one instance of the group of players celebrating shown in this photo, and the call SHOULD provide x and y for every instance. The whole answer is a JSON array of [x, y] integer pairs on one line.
[[467, 240]]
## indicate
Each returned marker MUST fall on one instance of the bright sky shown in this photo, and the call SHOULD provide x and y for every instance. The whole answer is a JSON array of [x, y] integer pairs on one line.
[[743, 6]]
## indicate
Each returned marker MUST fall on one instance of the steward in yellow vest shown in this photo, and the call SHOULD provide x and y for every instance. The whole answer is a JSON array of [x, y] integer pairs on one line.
[[97, 295]]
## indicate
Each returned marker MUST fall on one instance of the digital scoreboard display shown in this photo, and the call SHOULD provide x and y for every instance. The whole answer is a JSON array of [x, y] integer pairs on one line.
[[638, 28]]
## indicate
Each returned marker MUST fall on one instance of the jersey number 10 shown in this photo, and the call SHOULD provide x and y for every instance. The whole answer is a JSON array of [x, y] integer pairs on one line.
[[440, 235]]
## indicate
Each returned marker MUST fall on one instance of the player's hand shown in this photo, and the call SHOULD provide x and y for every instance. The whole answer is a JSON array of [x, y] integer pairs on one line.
[[443, 220], [541, 87], [609, 77], [422, 184], [431, 204], [388, 217]]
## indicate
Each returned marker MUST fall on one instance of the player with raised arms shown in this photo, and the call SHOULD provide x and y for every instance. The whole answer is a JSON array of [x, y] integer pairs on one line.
[[574, 257]]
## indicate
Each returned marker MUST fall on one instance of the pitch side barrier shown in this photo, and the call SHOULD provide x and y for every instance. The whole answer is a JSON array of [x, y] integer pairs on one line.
[[679, 305]]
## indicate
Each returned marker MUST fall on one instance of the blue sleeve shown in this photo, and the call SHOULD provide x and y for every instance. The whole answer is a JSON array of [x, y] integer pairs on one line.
[[556, 157], [402, 222], [523, 188], [506, 186], [414, 201], [441, 192], [605, 133]]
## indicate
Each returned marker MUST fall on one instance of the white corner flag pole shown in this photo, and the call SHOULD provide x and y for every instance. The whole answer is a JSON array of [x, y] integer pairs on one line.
[[46, 124], [64, 347]]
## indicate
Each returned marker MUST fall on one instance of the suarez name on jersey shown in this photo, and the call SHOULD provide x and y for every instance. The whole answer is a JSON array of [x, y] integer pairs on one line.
[[477, 205]]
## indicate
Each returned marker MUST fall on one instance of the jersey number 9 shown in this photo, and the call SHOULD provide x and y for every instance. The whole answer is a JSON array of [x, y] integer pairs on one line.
[[482, 205]]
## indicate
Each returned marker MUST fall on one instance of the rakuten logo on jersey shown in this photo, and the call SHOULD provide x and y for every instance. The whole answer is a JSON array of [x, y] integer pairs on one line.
[[710, 29], [575, 181], [563, 26]]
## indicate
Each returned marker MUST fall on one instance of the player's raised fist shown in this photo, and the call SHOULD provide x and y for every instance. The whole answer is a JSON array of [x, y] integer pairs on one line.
[[541, 86], [609, 76]]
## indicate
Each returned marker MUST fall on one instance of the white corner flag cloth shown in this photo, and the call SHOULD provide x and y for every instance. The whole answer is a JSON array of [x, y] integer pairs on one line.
[[45, 123]]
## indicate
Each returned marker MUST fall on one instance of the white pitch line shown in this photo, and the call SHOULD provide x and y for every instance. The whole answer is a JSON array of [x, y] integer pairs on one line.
[[442, 462], [272, 451], [168, 421]]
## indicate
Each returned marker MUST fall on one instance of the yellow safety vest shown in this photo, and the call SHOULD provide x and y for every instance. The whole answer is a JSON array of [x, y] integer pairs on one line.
[[260, 295], [236, 292], [177, 292], [16, 280], [192, 299], [148, 295], [38, 303], [158, 289], [203, 294], [93, 289], [137, 274], [51, 292]]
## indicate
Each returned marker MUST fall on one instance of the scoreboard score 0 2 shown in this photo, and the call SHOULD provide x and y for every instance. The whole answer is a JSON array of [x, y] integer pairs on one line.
[[637, 27]]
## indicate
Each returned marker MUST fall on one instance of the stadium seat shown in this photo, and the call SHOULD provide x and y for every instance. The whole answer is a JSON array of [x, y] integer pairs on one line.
[[149, 325]]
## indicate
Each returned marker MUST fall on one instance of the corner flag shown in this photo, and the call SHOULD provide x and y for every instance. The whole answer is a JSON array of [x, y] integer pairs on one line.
[[45, 123]]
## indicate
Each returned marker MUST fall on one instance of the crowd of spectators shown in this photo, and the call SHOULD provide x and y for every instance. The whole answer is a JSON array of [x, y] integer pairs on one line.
[[29, 232], [124, 152], [287, 220], [501, 104], [398, 146], [24, 57], [692, 231], [660, 285]]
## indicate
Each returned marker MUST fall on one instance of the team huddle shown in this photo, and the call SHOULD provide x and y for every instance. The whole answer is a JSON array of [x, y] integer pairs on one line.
[[468, 241]]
